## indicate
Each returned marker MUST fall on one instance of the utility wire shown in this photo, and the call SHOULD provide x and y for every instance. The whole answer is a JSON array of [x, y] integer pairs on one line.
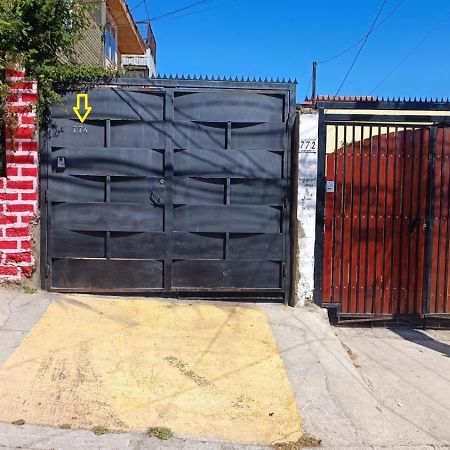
[[175, 11], [425, 37], [343, 52], [146, 9], [200, 10], [360, 48]]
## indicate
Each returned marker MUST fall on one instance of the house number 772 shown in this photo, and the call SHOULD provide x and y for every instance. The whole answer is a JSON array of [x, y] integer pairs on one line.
[[79, 128]]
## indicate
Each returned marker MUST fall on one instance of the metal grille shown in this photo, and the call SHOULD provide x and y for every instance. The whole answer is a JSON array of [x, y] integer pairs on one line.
[[171, 188]]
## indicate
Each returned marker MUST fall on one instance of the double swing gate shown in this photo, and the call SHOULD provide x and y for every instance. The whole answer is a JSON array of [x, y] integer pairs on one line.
[[383, 225], [170, 186]]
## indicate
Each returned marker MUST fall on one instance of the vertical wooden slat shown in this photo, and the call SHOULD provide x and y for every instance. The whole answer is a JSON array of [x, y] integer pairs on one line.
[[338, 221], [422, 212], [347, 223], [372, 231], [396, 235], [405, 220], [443, 213], [389, 221], [381, 222], [365, 198], [414, 230], [437, 197], [445, 307], [354, 219]]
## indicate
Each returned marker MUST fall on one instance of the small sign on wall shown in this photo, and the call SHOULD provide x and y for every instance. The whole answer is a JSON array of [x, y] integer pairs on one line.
[[329, 186]]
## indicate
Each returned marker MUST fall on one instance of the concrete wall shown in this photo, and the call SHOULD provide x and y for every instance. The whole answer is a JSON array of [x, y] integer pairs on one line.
[[306, 206]]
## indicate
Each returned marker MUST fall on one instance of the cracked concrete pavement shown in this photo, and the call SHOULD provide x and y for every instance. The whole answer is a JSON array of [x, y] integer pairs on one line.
[[355, 387]]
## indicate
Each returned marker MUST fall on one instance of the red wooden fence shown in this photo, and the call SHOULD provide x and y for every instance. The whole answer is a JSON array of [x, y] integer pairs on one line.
[[376, 220]]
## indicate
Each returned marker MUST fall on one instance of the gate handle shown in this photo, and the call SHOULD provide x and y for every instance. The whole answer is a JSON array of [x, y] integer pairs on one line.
[[155, 198]]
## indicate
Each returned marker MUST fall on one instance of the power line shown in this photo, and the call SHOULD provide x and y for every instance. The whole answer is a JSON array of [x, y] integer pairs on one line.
[[427, 35], [175, 11], [146, 9], [200, 10], [343, 52], [360, 48]]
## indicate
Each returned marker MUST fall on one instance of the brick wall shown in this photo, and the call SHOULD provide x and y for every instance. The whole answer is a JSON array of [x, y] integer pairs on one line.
[[19, 189]]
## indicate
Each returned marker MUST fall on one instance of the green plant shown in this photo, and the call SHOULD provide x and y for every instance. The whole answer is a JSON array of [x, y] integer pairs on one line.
[[99, 430], [40, 35], [162, 433]]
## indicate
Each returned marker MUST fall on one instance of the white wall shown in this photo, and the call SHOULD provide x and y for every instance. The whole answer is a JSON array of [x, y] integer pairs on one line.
[[306, 206]]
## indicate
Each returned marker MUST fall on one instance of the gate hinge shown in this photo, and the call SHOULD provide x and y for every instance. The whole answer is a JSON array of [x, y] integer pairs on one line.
[[47, 270], [284, 270], [46, 195]]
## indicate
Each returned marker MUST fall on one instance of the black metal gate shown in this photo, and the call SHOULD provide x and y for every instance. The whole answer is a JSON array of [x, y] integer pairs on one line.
[[170, 186]]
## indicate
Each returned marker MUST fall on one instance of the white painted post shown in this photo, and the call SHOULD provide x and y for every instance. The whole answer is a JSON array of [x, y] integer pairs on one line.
[[306, 206]]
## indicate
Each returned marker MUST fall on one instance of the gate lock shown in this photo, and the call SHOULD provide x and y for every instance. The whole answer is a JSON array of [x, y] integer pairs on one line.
[[60, 163], [155, 198]]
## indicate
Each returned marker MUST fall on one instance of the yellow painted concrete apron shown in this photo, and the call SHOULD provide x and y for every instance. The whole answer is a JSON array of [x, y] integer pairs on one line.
[[202, 370]]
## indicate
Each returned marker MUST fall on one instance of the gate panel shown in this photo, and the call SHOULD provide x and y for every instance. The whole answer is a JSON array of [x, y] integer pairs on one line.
[[375, 211], [439, 289], [170, 187]]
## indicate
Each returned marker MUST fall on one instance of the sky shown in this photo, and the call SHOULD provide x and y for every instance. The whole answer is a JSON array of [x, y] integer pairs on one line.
[[407, 54]]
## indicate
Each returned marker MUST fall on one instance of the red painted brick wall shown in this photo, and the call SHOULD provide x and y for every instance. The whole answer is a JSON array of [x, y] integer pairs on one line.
[[19, 189]]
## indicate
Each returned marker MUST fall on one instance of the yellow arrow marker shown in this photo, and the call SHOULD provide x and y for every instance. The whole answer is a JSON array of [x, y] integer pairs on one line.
[[87, 109]]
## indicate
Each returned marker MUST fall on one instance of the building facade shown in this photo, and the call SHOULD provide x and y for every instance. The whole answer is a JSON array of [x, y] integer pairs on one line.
[[112, 33]]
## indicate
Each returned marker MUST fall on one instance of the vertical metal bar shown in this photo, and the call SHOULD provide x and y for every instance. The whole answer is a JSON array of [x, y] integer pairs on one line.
[[108, 233], [108, 133], [419, 222], [168, 177], [287, 224], [410, 213], [228, 136], [366, 275], [351, 243], [108, 189], [320, 210], [394, 213], [376, 287], [342, 214], [385, 213], [333, 240], [402, 188], [314, 81], [447, 243], [227, 192], [418, 262], [438, 155], [429, 221], [45, 205], [358, 265]]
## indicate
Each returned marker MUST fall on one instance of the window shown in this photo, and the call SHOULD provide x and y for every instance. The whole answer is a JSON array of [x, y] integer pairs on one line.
[[110, 41]]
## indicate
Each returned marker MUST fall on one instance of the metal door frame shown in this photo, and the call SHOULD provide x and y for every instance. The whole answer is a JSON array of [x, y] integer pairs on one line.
[[168, 86], [325, 118]]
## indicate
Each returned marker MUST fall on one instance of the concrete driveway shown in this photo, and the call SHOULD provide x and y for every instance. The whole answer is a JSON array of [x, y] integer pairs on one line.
[[354, 388]]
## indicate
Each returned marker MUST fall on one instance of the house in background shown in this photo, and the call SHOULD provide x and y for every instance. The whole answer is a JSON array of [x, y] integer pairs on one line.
[[142, 66], [112, 33]]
